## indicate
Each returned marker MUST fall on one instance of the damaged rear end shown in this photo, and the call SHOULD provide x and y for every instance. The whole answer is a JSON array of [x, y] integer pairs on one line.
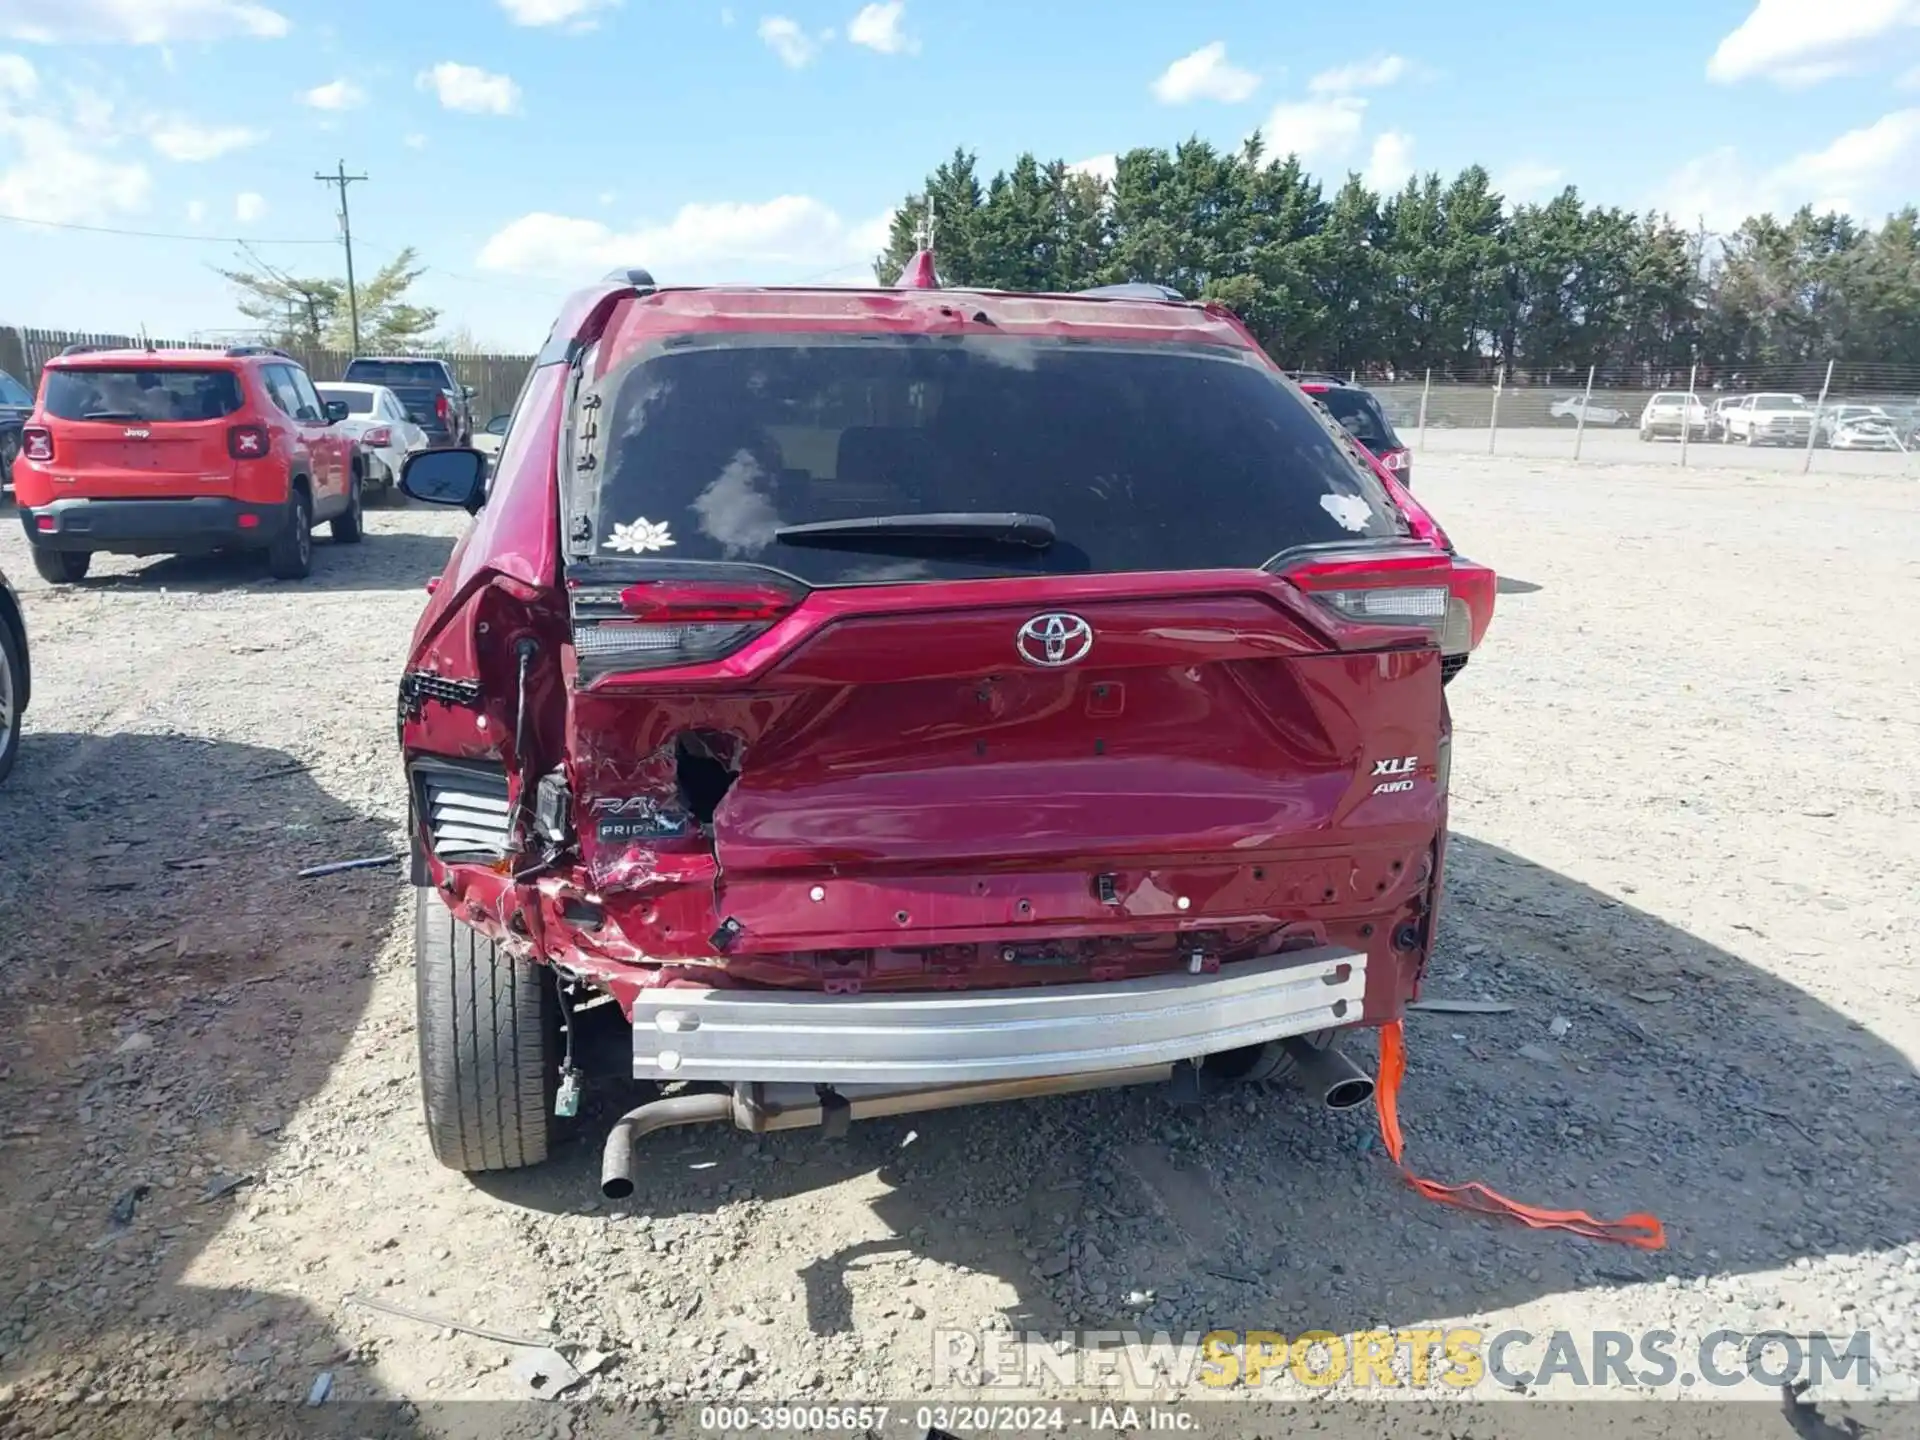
[[949, 711]]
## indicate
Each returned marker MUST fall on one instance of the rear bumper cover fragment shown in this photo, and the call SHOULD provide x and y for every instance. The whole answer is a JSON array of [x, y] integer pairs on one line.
[[960, 1037]]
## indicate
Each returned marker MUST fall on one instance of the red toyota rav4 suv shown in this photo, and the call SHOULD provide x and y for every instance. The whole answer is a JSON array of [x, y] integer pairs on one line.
[[893, 699], [164, 452]]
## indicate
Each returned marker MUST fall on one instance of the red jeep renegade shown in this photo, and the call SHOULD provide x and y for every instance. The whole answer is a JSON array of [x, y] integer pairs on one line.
[[882, 700], [165, 452]]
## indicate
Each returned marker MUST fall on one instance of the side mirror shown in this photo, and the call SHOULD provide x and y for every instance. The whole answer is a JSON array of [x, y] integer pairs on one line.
[[468, 391], [446, 477], [336, 411], [498, 424]]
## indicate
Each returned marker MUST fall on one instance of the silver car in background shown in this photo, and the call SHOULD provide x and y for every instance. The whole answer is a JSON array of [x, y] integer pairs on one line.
[[383, 436]]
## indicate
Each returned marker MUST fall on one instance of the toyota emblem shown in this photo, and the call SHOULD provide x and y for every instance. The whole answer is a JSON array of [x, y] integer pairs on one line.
[[1054, 640]]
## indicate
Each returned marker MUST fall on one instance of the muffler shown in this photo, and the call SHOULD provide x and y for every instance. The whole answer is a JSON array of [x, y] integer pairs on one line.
[[766, 1108], [1328, 1073]]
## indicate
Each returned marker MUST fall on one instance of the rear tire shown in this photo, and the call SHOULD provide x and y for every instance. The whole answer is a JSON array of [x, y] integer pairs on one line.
[[62, 567], [346, 527], [489, 1046], [290, 556]]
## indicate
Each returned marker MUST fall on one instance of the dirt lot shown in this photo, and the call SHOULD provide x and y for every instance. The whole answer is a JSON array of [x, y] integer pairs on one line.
[[1684, 773]]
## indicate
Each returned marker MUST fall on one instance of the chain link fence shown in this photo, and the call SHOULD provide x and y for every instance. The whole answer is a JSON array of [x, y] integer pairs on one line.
[[1818, 416]]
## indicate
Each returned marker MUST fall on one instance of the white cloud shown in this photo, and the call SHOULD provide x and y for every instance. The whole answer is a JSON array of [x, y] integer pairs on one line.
[[61, 164], [415, 141], [1529, 180], [1206, 74], [1372, 74], [1315, 129], [1865, 172], [137, 22], [335, 95], [1101, 167], [469, 88], [249, 207], [196, 211], [1391, 161], [786, 39], [1802, 42], [878, 27], [726, 16], [185, 141], [1910, 80], [727, 240], [18, 79], [56, 175], [574, 14]]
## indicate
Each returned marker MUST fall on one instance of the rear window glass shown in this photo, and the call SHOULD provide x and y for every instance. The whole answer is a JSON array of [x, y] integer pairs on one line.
[[1144, 458], [358, 402], [397, 372], [1362, 418], [135, 393]]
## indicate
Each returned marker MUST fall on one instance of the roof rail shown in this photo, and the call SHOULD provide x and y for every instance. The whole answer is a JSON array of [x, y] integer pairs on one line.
[[234, 352], [641, 280], [1133, 290]]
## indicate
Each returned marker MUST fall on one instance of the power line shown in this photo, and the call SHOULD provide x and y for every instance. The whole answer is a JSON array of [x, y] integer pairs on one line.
[[342, 180], [151, 234]]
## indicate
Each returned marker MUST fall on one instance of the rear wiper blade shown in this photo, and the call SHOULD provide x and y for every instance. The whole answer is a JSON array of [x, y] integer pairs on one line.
[[110, 415], [989, 527]]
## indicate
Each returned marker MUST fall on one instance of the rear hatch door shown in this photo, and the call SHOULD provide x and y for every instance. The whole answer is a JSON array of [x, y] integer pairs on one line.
[[1105, 681], [142, 431]]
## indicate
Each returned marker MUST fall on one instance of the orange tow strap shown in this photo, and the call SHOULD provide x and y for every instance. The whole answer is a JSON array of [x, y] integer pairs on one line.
[[1642, 1231]]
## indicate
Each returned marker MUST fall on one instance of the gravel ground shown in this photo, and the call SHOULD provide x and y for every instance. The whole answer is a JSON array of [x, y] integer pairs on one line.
[[1686, 853]]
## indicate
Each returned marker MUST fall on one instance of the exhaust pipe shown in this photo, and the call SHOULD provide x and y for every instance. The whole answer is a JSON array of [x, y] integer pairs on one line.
[[762, 1109], [1328, 1073], [616, 1159]]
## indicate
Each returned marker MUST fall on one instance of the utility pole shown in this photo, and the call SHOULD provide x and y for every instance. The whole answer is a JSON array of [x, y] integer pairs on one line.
[[342, 179]]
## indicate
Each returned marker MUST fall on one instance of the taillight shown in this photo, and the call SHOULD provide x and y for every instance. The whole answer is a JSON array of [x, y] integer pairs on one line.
[[377, 438], [1471, 610], [248, 442], [664, 601], [1366, 595], [659, 623], [440, 406], [1398, 461], [36, 442]]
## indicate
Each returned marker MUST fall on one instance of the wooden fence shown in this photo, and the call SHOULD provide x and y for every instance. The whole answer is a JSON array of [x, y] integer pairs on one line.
[[496, 379]]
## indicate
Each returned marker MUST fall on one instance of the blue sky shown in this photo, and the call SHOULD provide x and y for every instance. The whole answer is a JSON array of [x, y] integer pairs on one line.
[[526, 145]]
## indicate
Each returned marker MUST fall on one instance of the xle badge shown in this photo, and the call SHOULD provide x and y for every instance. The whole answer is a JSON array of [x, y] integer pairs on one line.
[[1406, 765]]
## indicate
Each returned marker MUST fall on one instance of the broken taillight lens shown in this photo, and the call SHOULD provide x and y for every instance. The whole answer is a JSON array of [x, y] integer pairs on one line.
[[1407, 591], [654, 624]]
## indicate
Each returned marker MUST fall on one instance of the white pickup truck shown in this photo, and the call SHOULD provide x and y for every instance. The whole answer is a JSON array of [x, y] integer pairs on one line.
[[1770, 419]]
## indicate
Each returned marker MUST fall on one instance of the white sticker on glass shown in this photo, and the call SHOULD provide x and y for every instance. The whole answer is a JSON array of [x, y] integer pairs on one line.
[[1350, 510], [638, 538]]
